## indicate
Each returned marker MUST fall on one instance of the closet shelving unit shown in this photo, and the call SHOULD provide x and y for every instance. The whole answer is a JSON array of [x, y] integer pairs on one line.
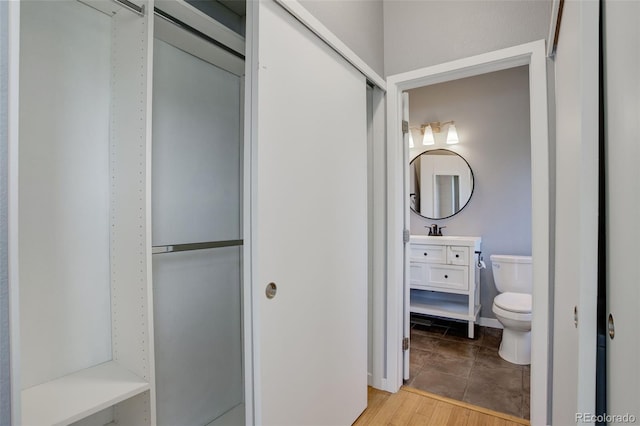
[[85, 330]]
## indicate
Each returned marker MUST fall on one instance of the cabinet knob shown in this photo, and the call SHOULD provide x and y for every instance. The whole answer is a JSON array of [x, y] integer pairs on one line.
[[425, 254], [457, 255], [446, 276]]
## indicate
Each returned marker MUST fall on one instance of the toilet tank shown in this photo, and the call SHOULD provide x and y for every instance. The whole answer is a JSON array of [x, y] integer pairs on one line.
[[512, 273]]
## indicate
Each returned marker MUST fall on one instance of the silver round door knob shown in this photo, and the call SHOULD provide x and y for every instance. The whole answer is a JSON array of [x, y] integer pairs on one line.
[[271, 290], [612, 327]]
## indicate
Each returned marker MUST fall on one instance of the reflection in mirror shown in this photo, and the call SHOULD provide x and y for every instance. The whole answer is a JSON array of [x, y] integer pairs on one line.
[[447, 201], [441, 183]]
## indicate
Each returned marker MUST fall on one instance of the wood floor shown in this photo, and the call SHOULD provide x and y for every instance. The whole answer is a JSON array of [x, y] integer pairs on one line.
[[411, 406]]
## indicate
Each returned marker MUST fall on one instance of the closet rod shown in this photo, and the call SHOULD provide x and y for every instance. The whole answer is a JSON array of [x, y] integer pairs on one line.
[[175, 21], [131, 6], [195, 246]]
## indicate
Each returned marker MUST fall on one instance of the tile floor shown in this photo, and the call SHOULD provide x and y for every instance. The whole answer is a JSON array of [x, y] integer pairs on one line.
[[446, 362]]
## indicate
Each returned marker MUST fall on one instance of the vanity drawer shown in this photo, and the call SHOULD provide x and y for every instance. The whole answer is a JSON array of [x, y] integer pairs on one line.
[[417, 274], [448, 277], [458, 255], [428, 253]]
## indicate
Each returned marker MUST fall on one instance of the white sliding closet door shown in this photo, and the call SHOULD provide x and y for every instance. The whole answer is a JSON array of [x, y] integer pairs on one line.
[[576, 264], [622, 115], [196, 199], [309, 221]]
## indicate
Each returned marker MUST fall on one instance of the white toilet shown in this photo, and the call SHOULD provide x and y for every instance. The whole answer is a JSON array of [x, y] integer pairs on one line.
[[513, 279]]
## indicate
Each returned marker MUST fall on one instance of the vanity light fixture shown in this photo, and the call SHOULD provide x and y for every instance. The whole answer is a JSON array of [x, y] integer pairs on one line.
[[411, 144], [429, 129]]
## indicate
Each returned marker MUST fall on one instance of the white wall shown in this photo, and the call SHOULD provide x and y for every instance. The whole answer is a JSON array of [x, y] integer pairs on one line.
[[491, 112], [422, 33], [394, 36], [358, 23]]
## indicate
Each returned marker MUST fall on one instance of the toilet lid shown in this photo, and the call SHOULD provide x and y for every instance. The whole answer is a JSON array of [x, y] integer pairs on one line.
[[514, 302]]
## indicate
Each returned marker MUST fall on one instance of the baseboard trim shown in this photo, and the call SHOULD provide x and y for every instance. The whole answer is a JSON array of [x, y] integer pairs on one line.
[[489, 322]]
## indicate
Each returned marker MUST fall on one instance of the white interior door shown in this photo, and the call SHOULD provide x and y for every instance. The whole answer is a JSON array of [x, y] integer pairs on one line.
[[309, 224], [576, 265], [622, 115]]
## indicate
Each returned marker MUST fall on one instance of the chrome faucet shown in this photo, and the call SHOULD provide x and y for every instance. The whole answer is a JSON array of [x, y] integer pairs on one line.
[[435, 230]]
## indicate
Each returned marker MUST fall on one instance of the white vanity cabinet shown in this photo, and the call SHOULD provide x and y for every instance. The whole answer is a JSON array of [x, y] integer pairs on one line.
[[443, 277]]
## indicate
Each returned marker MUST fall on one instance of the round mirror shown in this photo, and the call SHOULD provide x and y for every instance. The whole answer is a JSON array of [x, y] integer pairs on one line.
[[441, 184]]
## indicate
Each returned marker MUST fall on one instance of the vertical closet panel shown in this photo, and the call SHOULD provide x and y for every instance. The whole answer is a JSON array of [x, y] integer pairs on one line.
[[129, 163], [64, 189], [196, 198], [196, 150]]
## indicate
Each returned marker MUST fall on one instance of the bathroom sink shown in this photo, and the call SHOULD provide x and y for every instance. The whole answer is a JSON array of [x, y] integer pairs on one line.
[[447, 239]]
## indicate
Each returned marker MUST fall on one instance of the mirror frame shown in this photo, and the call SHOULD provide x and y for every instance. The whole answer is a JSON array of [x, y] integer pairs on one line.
[[473, 182]]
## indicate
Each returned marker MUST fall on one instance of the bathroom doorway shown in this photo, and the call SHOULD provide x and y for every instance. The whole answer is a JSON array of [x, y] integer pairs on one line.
[[454, 333], [530, 59]]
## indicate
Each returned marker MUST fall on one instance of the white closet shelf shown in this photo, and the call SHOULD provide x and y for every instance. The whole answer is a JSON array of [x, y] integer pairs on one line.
[[78, 395]]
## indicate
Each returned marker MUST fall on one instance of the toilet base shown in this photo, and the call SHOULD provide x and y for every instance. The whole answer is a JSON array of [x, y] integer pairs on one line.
[[515, 346]]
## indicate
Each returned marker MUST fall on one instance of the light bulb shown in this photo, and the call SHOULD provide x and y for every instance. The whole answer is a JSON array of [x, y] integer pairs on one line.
[[428, 138], [452, 135], [411, 144]]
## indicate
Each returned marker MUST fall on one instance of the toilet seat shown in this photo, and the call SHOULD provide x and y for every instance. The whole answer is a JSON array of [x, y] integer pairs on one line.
[[510, 315], [514, 302]]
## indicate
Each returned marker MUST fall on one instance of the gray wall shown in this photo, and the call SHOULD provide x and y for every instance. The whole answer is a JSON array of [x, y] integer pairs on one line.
[[422, 33], [358, 23], [5, 384], [491, 112]]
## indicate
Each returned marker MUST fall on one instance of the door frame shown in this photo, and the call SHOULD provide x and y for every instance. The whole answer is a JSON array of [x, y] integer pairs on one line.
[[533, 55], [10, 52]]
